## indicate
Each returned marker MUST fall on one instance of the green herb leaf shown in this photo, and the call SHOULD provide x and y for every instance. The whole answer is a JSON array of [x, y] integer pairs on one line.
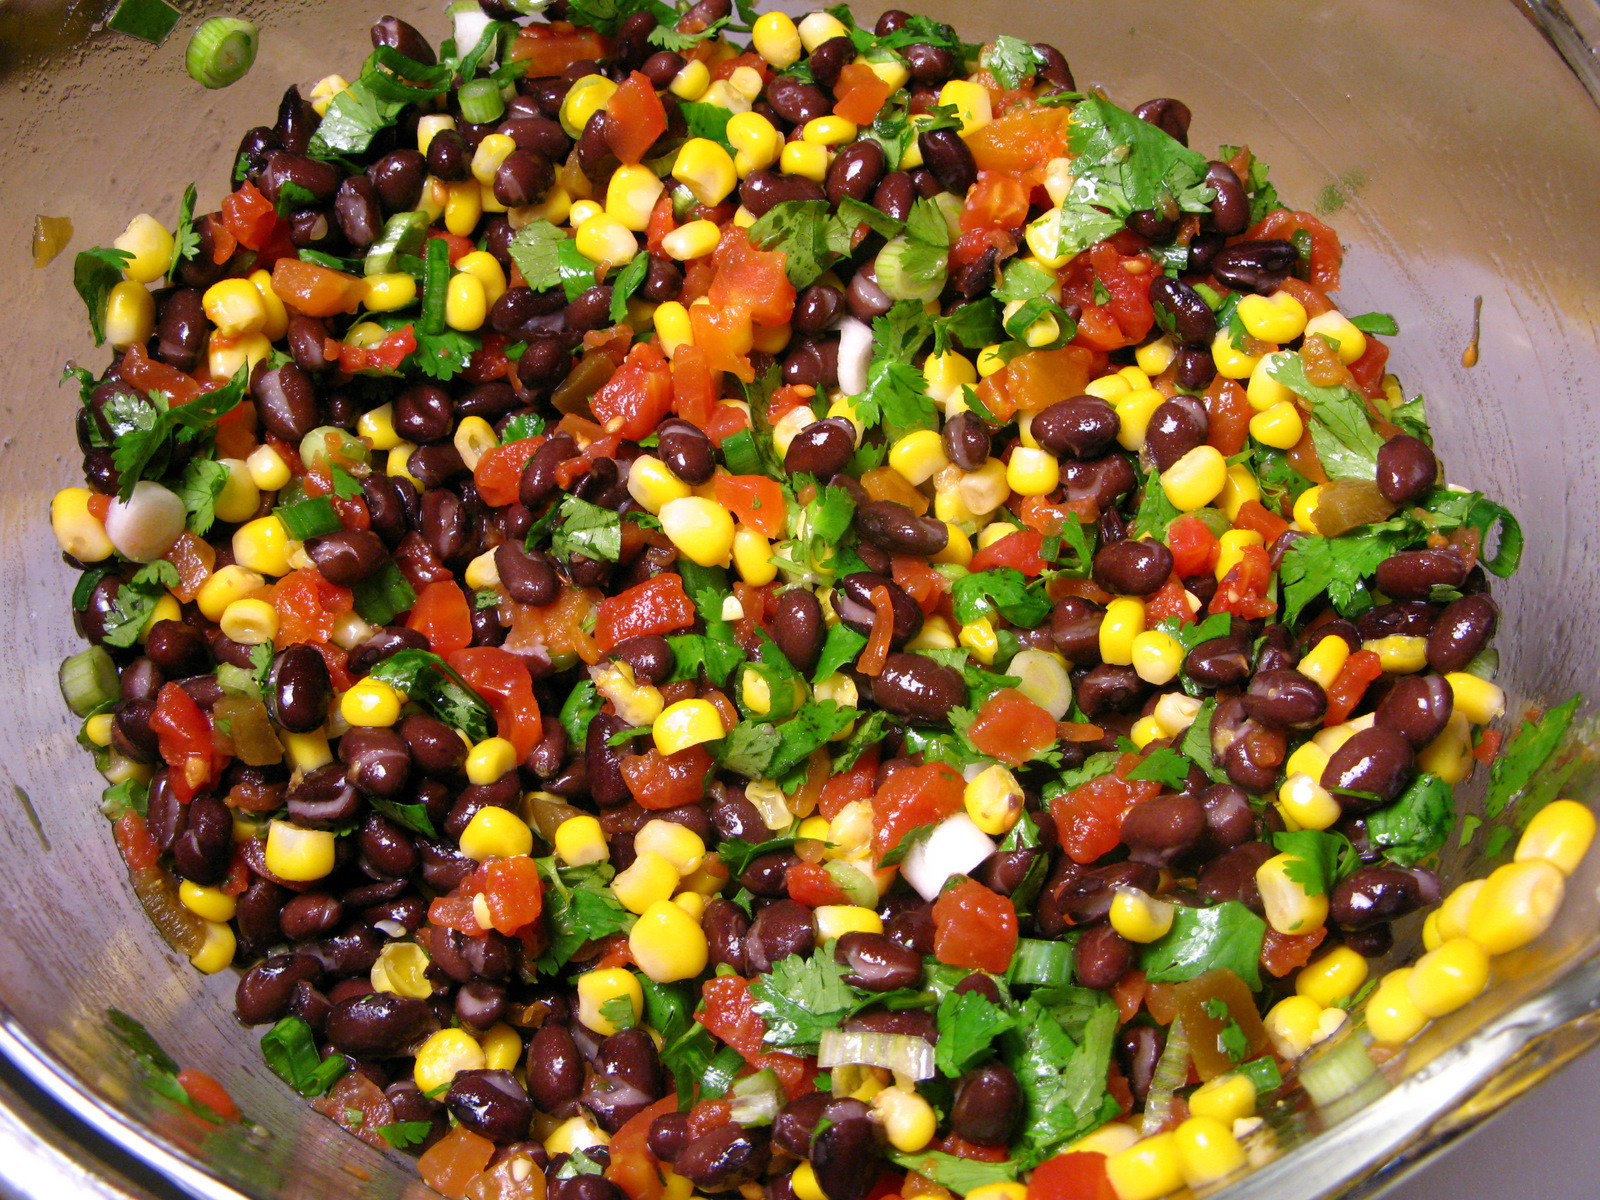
[[94, 273], [625, 284], [1417, 824], [708, 121], [428, 680], [802, 997], [968, 1026], [1163, 765], [960, 1175], [579, 907], [581, 707], [1338, 568], [1156, 512], [1227, 936], [291, 1052], [587, 529], [1522, 758], [619, 1011], [1060, 1052], [383, 595], [1128, 165], [1004, 590], [185, 240], [1375, 322], [1318, 859], [202, 482], [535, 251], [413, 816], [1012, 61], [694, 653], [1346, 443], [401, 1134]]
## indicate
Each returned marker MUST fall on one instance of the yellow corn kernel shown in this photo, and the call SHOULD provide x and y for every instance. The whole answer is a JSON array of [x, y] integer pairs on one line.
[[752, 555], [755, 142], [235, 307], [829, 131], [706, 169], [466, 305], [580, 841], [1516, 904], [1560, 832], [1337, 974], [1448, 976], [606, 240], [263, 545], [775, 37], [1140, 917], [1292, 1025], [918, 456], [1175, 712], [400, 970], [1136, 378], [97, 729], [686, 723], [1276, 318], [1263, 391], [1449, 756], [1305, 509], [487, 270], [427, 126], [989, 360], [1280, 426], [806, 159], [1478, 700], [979, 637], [745, 85], [130, 314], [1306, 759], [213, 904], [1143, 731], [1325, 660], [984, 489], [490, 759], [1238, 489], [166, 609], [1392, 1016], [217, 947], [1348, 341], [1123, 621], [502, 1047], [1110, 1138], [1006, 1190], [298, 855], [631, 196], [1108, 387], [993, 799], [958, 550], [586, 97], [1227, 1098], [490, 153], [596, 988], [891, 70], [652, 483], [1284, 900], [818, 27], [582, 210], [575, 1133], [1454, 914], [696, 239], [648, 879], [701, 529], [240, 497], [1157, 656], [474, 438], [1231, 363], [1231, 549], [371, 703], [1196, 479], [1207, 1150], [678, 844], [1032, 472], [668, 944], [803, 1179], [1305, 803], [305, 751], [225, 356], [444, 1056], [1400, 654], [1430, 931], [398, 461], [671, 320], [1146, 1170], [693, 904], [463, 206], [150, 244], [691, 82], [1156, 356], [1135, 407], [78, 531], [907, 1118], [376, 426], [971, 101], [250, 622], [946, 375], [836, 920], [636, 703]]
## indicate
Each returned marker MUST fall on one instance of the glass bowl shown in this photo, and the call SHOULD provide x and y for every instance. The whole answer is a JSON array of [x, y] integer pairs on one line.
[[1455, 151]]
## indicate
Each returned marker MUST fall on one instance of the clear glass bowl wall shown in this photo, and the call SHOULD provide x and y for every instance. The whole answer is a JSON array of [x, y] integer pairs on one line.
[[1455, 152]]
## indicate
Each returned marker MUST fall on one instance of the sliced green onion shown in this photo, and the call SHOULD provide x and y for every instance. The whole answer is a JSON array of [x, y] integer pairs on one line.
[[1172, 1071], [383, 595], [435, 285], [481, 101], [402, 234], [907, 1056], [1041, 963], [757, 1098], [88, 679], [858, 889], [899, 281], [221, 51], [1336, 1068], [309, 518], [721, 1072], [147, 20]]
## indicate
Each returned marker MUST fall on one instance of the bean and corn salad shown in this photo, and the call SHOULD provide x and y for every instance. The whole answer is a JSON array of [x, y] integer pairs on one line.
[[830, 620]]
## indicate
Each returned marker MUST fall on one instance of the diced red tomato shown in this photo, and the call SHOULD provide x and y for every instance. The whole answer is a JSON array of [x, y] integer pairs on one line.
[[997, 201], [203, 1089], [498, 475], [854, 784], [1089, 817], [1253, 515], [1244, 591], [725, 333], [1194, 547], [1022, 550], [1127, 316], [1021, 139], [638, 394], [489, 360], [183, 736], [726, 420], [1327, 255], [1228, 413], [755, 279], [860, 93], [974, 927], [919, 580], [441, 615], [314, 290], [1078, 1176], [910, 797], [729, 1014], [785, 400], [811, 885], [1012, 728], [1368, 370], [138, 848], [1285, 952], [632, 1167], [451, 1164], [151, 375], [756, 500], [385, 357], [458, 245], [658, 605], [660, 781], [694, 391], [1169, 600], [1037, 379], [502, 679], [550, 49], [1488, 745], [513, 892], [249, 216], [637, 118], [1350, 684]]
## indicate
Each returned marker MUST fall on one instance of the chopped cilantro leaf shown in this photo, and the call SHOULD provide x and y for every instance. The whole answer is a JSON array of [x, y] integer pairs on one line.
[[968, 1026], [94, 273], [801, 998], [185, 241], [1001, 589], [1226, 935], [1345, 441], [1416, 824], [428, 680], [1012, 61], [1318, 859], [534, 250], [1525, 755], [579, 906], [1128, 165]]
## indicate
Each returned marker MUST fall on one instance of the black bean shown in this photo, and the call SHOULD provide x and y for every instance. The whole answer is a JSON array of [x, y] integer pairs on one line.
[[1230, 821], [1055, 70], [310, 916], [1159, 829], [1407, 469], [950, 160], [987, 1105], [853, 602], [761, 190], [285, 401], [663, 280], [385, 848], [1170, 116], [1232, 876], [379, 760], [528, 578], [668, 1135], [896, 193], [1230, 209], [1376, 762], [379, 1025], [915, 687], [910, 923], [324, 797], [1461, 632], [873, 962], [1375, 894], [865, 298], [1080, 426], [662, 67], [263, 992], [445, 524], [491, 1104], [895, 528], [606, 784], [1075, 630], [780, 929], [817, 308], [555, 1068], [385, 641], [1219, 662], [1286, 699], [321, 180], [1196, 367], [1085, 897], [1005, 871], [845, 1152], [398, 176], [828, 59], [301, 689], [1181, 309], [823, 448], [649, 655], [449, 156], [1413, 574], [796, 1121], [348, 556], [398, 35], [539, 473], [1139, 1049], [254, 147], [725, 1157], [202, 850], [966, 441], [798, 102], [422, 413], [687, 452], [928, 63], [524, 176], [1102, 957], [356, 208], [1259, 267], [181, 331], [1417, 708], [725, 926], [176, 649], [1109, 689], [1133, 568], [799, 627], [855, 172], [1176, 427]]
